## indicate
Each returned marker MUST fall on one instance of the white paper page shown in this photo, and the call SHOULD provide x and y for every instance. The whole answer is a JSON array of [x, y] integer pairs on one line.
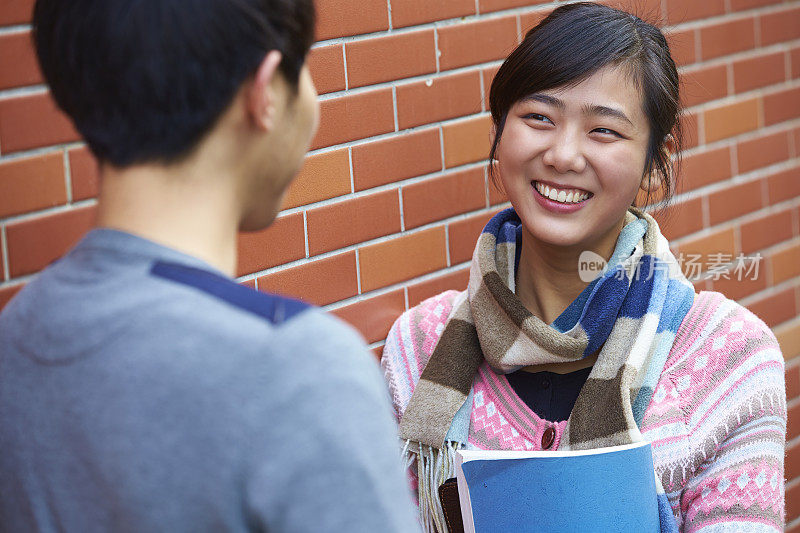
[[463, 496]]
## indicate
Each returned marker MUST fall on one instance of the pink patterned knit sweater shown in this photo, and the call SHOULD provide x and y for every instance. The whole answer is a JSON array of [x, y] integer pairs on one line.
[[717, 420]]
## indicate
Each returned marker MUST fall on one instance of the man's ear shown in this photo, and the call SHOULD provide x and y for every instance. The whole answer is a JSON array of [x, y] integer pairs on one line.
[[261, 97]]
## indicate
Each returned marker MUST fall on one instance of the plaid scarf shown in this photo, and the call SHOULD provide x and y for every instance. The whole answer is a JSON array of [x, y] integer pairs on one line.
[[630, 313]]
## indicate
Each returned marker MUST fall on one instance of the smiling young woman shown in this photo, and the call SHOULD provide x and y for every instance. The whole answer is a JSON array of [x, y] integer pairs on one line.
[[532, 356]]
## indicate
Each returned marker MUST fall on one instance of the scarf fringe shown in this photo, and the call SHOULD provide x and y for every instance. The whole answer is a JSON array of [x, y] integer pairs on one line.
[[434, 467]]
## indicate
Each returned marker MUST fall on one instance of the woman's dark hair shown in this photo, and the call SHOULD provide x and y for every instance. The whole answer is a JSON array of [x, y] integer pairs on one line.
[[574, 42], [144, 80]]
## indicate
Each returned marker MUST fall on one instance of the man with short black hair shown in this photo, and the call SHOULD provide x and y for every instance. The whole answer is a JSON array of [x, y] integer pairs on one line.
[[141, 388]]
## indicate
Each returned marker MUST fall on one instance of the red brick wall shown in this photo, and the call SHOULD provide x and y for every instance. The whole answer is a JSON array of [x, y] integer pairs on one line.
[[395, 191]]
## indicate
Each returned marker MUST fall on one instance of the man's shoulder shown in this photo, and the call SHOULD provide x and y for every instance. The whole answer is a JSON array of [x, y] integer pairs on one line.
[[228, 295], [249, 320]]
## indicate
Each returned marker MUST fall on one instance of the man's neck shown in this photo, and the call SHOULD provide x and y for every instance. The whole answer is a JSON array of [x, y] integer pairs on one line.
[[177, 207]]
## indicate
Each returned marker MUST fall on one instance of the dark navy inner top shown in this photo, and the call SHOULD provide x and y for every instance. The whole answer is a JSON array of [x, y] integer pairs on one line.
[[551, 396]]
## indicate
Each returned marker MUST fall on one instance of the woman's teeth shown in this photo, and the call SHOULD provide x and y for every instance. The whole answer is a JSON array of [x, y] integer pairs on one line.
[[565, 196]]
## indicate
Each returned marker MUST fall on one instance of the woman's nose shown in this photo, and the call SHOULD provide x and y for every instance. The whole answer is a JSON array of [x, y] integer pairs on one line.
[[565, 152]]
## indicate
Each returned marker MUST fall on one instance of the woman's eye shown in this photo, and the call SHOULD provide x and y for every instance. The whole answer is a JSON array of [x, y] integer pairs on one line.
[[537, 117], [606, 131]]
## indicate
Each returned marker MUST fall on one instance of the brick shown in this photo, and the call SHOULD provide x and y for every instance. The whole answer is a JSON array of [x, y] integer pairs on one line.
[[402, 259], [679, 11], [792, 464], [736, 289], [648, 10], [411, 12], [726, 38], [766, 231], [487, 6], [35, 243], [326, 64], [249, 283], [488, 75], [793, 382], [528, 20], [760, 71], [496, 193], [735, 201], [421, 291], [763, 151], [792, 431], [320, 282], [18, 66], [463, 235], [704, 168], [390, 58], [283, 241], [784, 185], [353, 221], [374, 316], [785, 264], [680, 219], [340, 18], [32, 121], [84, 174], [776, 308], [704, 85], [466, 141], [739, 5], [780, 26], [324, 175], [731, 119], [354, 116], [793, 492], [438, 99], [32, 183], [690, 131], [796, 135], [7, 292], [794, 57], [442, 197], [468, 43], [682, 46], [396, 158], [719, 242], [15, 11], [782, 105], [788, 336]]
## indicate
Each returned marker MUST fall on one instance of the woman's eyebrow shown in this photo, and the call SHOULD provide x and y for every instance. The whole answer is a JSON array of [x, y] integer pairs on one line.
[[546, 99], [605, 111], [588, 109]]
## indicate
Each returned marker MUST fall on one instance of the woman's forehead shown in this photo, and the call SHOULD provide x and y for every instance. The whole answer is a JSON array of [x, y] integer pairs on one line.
[[608, 91]]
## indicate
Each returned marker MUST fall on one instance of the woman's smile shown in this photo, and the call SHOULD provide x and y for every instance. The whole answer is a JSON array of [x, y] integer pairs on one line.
[[560, 199]]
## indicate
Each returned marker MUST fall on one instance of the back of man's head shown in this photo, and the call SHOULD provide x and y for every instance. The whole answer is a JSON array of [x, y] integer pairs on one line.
[[144, 80]]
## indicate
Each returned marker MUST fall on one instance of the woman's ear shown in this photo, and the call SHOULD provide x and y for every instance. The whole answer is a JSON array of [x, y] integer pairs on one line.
[[652, 181]]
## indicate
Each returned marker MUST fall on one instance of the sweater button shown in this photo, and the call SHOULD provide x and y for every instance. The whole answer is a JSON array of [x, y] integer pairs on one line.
[[548, 437]]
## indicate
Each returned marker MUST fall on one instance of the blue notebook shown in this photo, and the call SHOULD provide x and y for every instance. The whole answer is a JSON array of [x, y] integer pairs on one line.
[[606, 489]]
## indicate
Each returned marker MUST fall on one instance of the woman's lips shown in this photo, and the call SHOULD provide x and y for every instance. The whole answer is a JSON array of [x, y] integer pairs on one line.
[[560, 200]]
